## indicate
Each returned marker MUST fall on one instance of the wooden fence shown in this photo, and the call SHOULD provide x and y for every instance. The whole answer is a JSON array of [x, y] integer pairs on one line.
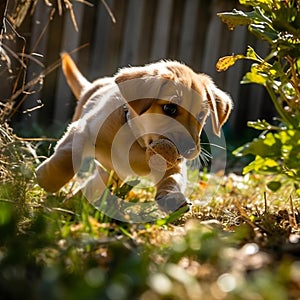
[[144, 31]]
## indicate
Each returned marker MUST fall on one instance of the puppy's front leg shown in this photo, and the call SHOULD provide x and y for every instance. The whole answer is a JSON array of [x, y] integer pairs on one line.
[[59, 168], [169, 193]]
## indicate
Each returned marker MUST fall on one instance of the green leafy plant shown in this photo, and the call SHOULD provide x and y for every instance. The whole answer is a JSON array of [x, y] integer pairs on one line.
[[276, 149]]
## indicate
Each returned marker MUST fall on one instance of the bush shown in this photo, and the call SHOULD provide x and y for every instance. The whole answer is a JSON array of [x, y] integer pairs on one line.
[[276, 149]]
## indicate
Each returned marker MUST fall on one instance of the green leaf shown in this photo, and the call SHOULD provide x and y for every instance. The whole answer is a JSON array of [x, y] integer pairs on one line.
[[274, 185], [287, 44], [269, 4], [261, 164], [255, 76], [251, 54], [275, 153], [235, 18], [264, 32], [264, 146], [172, 216], [126, 188], [260, 125], [240, 18]]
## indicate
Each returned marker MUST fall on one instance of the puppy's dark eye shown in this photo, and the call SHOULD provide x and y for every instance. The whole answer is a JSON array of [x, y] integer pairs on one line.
[[170, 109]]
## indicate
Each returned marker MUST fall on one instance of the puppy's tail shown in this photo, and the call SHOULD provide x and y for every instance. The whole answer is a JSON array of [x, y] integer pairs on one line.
[[77, 82]]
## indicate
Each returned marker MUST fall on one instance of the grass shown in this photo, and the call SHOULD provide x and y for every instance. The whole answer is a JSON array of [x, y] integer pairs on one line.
[[241, 243]]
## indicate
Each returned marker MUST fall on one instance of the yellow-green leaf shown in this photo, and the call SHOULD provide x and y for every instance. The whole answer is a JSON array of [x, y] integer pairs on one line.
[[255, 76], [235, 18], [270, 3], [224, 63]]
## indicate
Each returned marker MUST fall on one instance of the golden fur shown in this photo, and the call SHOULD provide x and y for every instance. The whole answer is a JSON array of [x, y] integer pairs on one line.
[[131, 108]]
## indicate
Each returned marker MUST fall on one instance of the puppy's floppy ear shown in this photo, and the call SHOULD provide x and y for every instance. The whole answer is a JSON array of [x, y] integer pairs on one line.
[[219, 102], [139, 86]]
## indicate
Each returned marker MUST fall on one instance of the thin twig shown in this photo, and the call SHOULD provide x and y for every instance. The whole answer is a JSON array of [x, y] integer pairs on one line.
[[293, 217], [265, 202], [36, 139], [35, 80], [44, 29], [59, 5], [3, 8], [113, 19], [69, 6]]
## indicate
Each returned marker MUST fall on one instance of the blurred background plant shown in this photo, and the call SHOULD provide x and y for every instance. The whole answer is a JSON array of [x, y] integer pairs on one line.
[[277, 148]]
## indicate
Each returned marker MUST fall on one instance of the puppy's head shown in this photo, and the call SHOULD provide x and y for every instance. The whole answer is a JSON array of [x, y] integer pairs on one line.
[[173, 102]]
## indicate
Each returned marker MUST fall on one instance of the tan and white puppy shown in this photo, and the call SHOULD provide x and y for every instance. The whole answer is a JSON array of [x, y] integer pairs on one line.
[[117, 119]]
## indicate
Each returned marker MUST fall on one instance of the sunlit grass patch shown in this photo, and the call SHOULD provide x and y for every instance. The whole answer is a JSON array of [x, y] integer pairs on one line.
[[238, 240]]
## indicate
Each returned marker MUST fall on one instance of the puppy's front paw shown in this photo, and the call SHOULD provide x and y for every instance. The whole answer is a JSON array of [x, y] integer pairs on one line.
[[171, 202]]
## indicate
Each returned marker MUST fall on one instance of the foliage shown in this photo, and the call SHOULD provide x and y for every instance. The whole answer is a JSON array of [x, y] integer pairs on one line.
[[14, 156], [237, 246], [276, 150]]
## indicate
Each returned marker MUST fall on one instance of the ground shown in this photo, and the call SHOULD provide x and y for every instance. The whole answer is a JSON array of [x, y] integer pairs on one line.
[[240, 242]]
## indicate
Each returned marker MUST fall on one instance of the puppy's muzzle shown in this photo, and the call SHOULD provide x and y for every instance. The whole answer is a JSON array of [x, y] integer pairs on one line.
[[188, 151], [186, 147]]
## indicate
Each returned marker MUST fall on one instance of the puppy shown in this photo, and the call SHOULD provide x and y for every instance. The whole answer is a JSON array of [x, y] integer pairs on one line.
[[118, 119]]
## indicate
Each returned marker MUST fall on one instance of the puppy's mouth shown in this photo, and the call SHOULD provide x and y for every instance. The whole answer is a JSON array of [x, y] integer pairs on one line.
[[163, 143], [186, 148], [162, 154]]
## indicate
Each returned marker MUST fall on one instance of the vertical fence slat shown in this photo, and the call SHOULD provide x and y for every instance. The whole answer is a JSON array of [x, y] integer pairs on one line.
[[234, 75], [202, 24], [161, 30], [132, 34], [188, 32], [115, 37], [64, 98], [212, 44], [38, 45], [100, 47], [146, 31]]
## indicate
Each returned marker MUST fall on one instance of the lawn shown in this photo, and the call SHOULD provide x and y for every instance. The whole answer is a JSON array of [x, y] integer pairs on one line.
[[240, 243]]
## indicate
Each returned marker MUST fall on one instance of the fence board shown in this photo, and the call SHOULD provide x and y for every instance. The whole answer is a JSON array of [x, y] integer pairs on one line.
[[188, 32], [116, 37], [234, 75], [132, 35], [145, 31], [161, 30], [70, 40], [100, 47], [38, 44]]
